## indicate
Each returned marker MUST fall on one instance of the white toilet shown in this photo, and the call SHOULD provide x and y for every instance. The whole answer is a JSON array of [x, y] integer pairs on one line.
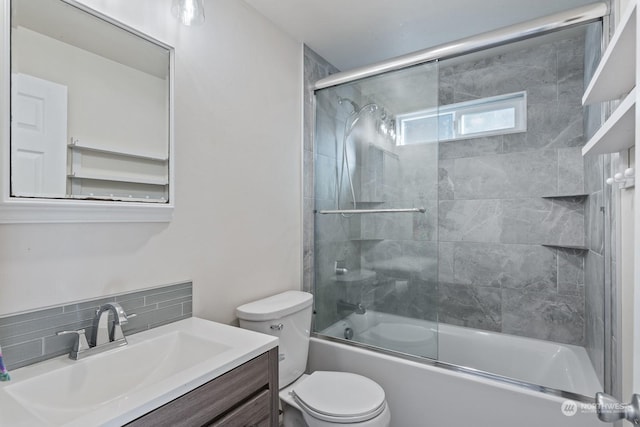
[[321, 399]]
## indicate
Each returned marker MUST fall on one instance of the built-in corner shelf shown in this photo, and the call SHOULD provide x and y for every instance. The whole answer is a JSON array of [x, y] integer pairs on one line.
[[618, 132], [566, 196], [615, 74], [567, 247]]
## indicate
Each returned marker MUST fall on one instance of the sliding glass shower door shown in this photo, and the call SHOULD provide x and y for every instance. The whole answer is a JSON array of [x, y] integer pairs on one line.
[[456, 219], [376, 191]]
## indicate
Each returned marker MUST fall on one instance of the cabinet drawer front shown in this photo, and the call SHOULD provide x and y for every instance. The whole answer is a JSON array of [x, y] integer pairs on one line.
[[209, 401], [254, 413]]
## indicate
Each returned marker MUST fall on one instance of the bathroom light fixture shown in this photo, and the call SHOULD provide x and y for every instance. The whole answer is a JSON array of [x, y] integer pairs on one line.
[[189, 12]]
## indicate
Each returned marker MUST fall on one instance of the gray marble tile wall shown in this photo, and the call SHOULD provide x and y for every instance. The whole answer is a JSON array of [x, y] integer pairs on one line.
[[402, 248], [512, 207], [326, 237], [315, 68], [30, 337]]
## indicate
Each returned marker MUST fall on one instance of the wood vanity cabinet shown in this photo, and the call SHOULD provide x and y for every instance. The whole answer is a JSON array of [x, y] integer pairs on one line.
[[246, 396]]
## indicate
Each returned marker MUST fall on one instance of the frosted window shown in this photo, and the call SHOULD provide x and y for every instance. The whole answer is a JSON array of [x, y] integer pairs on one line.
[[428, 128], [487, 121]]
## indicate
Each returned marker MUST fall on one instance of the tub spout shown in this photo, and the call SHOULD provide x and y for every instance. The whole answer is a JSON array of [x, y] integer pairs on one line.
[[357, 308]]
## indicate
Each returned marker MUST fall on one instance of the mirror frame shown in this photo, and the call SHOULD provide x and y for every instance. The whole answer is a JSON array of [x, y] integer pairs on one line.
[[42, 210]]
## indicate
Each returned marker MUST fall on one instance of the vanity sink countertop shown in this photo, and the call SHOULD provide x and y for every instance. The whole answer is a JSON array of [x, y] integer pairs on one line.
[[120, 385]]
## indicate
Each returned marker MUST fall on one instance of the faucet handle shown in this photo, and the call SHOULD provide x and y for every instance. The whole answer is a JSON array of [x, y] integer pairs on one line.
[[122, 317], [116, 329], [80, 343]]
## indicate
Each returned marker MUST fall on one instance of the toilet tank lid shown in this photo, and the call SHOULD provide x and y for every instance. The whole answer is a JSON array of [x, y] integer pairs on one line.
[[275, 307]]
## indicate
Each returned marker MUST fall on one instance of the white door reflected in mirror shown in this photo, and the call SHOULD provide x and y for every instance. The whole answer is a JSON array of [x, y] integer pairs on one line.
[[39, 135]]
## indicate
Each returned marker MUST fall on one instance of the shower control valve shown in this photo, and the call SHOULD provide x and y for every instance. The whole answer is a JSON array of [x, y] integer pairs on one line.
[[341, 267]]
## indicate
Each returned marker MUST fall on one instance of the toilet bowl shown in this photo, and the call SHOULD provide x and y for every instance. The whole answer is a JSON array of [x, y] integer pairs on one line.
[[325, 399], [322, 398]]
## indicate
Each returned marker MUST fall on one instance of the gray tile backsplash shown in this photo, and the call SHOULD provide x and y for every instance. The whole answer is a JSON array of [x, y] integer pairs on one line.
[[30, 337]]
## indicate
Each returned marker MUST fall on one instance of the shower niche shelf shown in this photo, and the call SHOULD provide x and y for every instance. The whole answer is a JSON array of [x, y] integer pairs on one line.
[[567, 247], [581, 197]]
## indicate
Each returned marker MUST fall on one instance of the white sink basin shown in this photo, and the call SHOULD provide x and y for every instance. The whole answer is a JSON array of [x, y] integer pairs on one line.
[[66, 393], [119, 385]]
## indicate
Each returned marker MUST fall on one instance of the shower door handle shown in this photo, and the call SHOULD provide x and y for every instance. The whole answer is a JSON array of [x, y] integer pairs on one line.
[[610, 410]]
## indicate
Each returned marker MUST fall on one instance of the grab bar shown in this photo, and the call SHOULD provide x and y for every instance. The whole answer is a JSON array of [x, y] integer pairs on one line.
[[371, 211]]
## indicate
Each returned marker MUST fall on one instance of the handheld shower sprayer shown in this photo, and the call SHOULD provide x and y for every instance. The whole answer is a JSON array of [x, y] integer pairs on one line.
[[384, 124]]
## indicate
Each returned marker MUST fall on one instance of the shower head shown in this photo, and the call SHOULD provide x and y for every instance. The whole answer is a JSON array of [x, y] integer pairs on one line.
[[385, 123], [368, 108], [355, 106]]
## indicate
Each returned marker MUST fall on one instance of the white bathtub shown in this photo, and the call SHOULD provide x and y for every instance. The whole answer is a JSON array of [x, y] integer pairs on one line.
[[424, 395], [558, 366]]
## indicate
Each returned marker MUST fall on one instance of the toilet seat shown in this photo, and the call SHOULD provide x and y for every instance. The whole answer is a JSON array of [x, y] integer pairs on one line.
[[340, 397]]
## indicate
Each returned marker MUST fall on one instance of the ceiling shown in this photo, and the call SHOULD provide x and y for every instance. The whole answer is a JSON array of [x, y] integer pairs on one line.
[[355, 33]]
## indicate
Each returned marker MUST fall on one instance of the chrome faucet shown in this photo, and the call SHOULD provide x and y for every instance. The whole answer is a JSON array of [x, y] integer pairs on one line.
[[103, 338], [101, 332]]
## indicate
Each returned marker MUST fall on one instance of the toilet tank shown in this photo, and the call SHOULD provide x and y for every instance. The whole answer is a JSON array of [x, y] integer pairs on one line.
[[288, 317]]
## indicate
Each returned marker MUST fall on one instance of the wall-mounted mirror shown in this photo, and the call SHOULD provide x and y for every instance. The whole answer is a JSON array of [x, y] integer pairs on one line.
[[90, 109]]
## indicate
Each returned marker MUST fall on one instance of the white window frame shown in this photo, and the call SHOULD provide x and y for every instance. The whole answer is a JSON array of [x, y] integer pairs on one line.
[[516, 100]]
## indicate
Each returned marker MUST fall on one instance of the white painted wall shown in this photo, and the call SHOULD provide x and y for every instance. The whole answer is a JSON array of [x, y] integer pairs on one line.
[[237, 225]]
